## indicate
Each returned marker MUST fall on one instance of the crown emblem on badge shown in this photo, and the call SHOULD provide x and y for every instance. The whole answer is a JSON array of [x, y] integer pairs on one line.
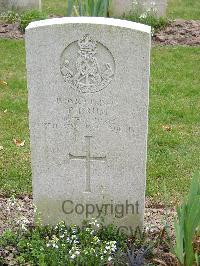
[[86, 43], [87, 73]]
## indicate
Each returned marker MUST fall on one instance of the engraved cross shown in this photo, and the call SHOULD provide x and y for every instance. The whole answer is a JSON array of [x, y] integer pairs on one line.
[[88, 158]]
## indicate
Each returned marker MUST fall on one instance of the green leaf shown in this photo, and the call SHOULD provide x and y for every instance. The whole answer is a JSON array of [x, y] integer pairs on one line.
[[188, 221], [80, 8], [179, 234], [194, 188], [106, 6], [70, 7]]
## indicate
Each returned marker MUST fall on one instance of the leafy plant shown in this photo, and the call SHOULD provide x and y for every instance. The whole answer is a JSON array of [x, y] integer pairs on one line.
[[29, 16], [91, 244], [186, 224], [137, 257], [9, 17], [90, 8], [148, 17]]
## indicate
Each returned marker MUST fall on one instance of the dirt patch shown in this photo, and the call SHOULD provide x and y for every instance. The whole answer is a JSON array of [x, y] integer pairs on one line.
[[179, 32], [10, 31]]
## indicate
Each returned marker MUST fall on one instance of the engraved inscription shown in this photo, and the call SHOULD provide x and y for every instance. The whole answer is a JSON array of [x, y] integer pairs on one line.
[[88, 158], [90, 69]]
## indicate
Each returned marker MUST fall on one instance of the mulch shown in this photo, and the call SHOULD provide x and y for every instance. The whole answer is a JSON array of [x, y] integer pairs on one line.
[[178, 32], [10, 31]]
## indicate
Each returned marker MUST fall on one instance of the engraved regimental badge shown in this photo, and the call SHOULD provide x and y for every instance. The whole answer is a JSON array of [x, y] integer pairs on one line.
[[87, 65]]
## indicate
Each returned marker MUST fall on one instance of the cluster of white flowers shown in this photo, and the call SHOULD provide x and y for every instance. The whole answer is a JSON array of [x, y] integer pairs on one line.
[[74, 252], [110, 247], [135, 3], [74, 229], [23, 222], [69, 239], [94, 223], [142, 6], [74, 239], [143, 15], [11, 203], [53, 242], [96, 240]]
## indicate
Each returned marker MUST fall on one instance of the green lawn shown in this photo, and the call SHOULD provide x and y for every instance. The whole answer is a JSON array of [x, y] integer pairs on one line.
[[56, 7], [174, 102], [14, 162], [186, 9]]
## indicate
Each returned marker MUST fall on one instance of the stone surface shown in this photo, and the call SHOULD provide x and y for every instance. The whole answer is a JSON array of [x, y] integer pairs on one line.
[[19, 5], [121, 7], [88, 103]]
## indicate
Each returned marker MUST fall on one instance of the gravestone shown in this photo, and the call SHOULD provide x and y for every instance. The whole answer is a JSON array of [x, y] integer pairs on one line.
[[88, 103], [19, 5], [121, 7]]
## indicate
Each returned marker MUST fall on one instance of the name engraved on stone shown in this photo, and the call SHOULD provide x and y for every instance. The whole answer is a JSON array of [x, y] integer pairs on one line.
[[90, 68], [88, 158]]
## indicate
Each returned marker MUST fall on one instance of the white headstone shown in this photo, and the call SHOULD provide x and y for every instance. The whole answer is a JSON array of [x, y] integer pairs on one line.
[[19, 5], [121, 7], [88, 103]]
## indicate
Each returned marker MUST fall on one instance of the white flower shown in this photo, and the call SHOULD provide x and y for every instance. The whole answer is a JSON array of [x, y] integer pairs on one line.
[[109, 258], [135, 2], [96, 239], [68, 240], [144, 15], [92, 232], [54, 245], [73, 236], [77, 253]]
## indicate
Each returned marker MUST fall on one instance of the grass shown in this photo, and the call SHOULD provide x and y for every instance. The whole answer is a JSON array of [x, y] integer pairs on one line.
[[55, 7], [185, 9], [15, 174], [174, 104]]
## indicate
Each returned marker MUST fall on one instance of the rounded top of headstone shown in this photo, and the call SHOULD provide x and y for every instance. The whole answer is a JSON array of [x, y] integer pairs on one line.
[[91, 20]]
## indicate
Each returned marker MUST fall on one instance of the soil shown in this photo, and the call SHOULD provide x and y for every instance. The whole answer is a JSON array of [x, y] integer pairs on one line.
[[10, 31], [178, 32]]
